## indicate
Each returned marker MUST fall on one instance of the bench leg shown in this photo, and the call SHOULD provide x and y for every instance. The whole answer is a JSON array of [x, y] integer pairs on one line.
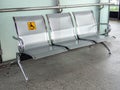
[[21, 68], [106, 47]]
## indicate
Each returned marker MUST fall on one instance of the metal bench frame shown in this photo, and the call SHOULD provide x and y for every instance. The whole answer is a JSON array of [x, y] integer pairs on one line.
[[87, 40]]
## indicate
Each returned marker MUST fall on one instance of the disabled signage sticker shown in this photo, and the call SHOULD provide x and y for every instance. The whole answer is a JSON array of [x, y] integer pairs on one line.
[[31, 25]]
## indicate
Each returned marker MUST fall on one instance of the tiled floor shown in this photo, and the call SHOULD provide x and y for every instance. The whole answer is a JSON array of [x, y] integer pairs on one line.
[[89, 68]]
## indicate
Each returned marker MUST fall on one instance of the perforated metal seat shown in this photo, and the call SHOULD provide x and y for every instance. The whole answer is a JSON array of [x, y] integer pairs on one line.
[[63, 31], [33, 38], [86, 24], [86, 27], [31, 30]]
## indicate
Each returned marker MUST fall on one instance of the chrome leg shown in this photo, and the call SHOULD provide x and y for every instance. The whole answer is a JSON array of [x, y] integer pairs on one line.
[[21, 68], [106, 47]]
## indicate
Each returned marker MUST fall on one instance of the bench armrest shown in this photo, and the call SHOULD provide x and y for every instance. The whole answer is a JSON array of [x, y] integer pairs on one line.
[[20, 44], [107, 30]]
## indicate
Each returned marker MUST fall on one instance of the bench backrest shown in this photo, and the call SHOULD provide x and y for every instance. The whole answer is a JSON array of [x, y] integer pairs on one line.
[[32, 30], [85, 22], [61, 26]]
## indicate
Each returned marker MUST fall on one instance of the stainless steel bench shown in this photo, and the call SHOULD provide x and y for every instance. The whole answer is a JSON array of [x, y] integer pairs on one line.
[[37, 40]]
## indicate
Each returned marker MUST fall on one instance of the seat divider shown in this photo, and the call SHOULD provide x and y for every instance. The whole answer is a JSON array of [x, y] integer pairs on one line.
[[60, 46], [86, 39]]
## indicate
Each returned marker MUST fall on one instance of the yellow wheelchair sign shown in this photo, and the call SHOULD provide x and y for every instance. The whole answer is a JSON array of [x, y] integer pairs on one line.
[[31, 25]]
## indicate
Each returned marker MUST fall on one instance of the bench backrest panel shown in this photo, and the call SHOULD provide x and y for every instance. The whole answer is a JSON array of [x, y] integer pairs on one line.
[[61, 25], [32, 30], [85, 22]]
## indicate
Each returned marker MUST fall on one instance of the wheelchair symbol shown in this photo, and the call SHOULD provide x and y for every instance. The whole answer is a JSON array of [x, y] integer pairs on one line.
[[31, 26]]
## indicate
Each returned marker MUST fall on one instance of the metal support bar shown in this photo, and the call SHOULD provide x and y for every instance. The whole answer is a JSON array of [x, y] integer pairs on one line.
[[52, 7], [106, 47], [21, 68], [60, 46], [87, 40], [101, 7], [58, 4]]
